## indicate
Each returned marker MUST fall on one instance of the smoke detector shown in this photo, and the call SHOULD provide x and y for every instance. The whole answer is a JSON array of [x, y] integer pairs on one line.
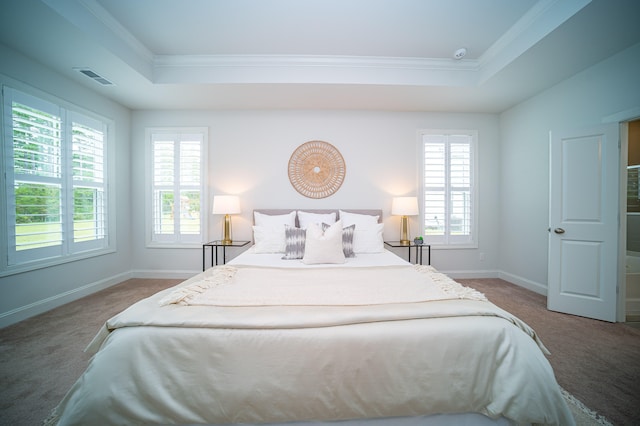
[[460, 53]]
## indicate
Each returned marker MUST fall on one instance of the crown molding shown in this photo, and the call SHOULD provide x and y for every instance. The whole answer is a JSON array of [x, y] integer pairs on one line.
[[311, 60], [312, 69]]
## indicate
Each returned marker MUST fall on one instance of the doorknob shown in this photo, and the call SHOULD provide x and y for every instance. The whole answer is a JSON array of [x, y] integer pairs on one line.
[[559, 231]]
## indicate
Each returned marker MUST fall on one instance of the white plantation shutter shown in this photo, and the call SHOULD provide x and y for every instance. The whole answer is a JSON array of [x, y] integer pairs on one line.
[[55, 180], [89, 201], [434, 186], [35, 179], [190, 180], [460, 186], [177, 175], [163, 187], [448, 184]]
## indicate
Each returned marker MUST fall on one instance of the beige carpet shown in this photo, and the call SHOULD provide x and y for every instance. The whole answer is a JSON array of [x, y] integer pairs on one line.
[[596, 362]]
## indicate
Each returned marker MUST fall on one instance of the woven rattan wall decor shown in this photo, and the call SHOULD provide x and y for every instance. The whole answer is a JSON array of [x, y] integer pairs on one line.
[[316, 169]]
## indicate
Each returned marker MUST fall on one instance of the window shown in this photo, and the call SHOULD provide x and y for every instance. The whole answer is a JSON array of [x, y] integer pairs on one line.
[[449, 206], [176, 195], [55, 181]]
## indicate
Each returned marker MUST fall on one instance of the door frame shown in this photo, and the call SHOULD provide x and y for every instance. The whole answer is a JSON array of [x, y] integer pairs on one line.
[[622, 220], [622, 118]]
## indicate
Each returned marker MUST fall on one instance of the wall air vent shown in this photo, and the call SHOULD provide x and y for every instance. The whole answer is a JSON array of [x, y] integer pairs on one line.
[[94, 76]]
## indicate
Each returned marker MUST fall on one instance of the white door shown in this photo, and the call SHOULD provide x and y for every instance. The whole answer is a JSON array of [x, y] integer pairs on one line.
[[583, 222]]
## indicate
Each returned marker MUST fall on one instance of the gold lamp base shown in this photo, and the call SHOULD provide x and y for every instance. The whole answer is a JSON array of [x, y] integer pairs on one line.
[[226, 239], [404, 231]]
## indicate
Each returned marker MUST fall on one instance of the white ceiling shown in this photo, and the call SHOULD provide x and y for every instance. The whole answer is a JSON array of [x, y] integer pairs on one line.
[[320, 54]]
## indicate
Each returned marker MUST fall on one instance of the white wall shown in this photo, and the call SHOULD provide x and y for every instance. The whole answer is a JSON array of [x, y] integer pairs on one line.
[[26, 294], [584, 100], [249, 153]]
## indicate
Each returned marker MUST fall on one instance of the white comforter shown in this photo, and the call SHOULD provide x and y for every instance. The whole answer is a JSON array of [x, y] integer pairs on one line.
[[161, 362]]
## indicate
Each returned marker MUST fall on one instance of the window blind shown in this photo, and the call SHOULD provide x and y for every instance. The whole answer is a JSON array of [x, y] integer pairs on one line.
[[55, 180], [448, 184], [88, 162], [177, 186]]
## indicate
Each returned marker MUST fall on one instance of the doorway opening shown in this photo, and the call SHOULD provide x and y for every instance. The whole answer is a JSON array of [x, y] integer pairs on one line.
[[632, 216]]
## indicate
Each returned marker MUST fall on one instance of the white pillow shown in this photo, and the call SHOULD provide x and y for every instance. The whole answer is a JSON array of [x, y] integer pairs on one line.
[[278, 220], [362, 221], [269, 239], [323, 247], [368, 240], [305, 218]]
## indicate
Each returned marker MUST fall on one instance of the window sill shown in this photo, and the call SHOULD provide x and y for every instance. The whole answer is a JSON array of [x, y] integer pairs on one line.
[[47, 263]]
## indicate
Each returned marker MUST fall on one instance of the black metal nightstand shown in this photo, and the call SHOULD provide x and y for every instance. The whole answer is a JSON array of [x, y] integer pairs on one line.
[[419, 247], [215, 245]]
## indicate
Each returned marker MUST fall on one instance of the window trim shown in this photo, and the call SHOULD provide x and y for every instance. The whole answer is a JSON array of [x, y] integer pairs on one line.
[[149, 187], [73, 254], [473, 242]]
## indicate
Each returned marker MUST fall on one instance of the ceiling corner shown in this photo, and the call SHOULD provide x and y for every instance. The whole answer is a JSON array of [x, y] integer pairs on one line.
[[543, 18]]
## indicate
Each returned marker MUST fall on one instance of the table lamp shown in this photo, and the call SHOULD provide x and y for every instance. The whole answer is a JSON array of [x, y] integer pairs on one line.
[[226, 205], [404, 206]]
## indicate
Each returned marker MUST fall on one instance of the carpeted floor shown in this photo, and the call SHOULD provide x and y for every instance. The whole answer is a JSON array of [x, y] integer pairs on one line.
[[40, 358]]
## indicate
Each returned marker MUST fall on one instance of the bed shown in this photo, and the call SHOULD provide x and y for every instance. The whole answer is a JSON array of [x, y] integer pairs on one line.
[[292, 332]]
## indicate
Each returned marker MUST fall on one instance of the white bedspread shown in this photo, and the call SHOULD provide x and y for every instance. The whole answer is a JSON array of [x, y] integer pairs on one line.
[[171, 363], [342, 286]]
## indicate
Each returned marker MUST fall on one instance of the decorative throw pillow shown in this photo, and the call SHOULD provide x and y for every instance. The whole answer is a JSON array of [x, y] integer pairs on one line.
[[324, 247], [305, 218], [369, 240], [294, 242], [347, 239], [269, 239]]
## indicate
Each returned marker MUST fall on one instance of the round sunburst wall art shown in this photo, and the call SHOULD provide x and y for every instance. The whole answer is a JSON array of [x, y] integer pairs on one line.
[[316, 169]]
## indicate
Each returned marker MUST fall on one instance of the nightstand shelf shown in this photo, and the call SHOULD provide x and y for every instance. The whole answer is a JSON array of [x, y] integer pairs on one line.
[[418, 247], [217, 244]]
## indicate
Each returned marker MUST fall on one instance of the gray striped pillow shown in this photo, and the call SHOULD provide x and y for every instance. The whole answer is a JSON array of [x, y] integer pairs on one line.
[[294, 242]]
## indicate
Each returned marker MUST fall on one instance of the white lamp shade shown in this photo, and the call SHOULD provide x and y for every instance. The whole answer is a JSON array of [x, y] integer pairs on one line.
[[226, 204], [404, 206]]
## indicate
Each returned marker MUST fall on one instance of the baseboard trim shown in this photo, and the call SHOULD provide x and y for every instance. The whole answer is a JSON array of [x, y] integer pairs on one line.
[[523, 282], [513, 279], [159, 274], [471, 274], [41, 306]]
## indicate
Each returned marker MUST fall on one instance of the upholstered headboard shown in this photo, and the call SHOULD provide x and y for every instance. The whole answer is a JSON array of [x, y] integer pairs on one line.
[[371, 212]]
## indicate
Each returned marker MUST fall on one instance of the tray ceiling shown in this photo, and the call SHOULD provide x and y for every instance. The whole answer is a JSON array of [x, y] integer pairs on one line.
[[320, 54]]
